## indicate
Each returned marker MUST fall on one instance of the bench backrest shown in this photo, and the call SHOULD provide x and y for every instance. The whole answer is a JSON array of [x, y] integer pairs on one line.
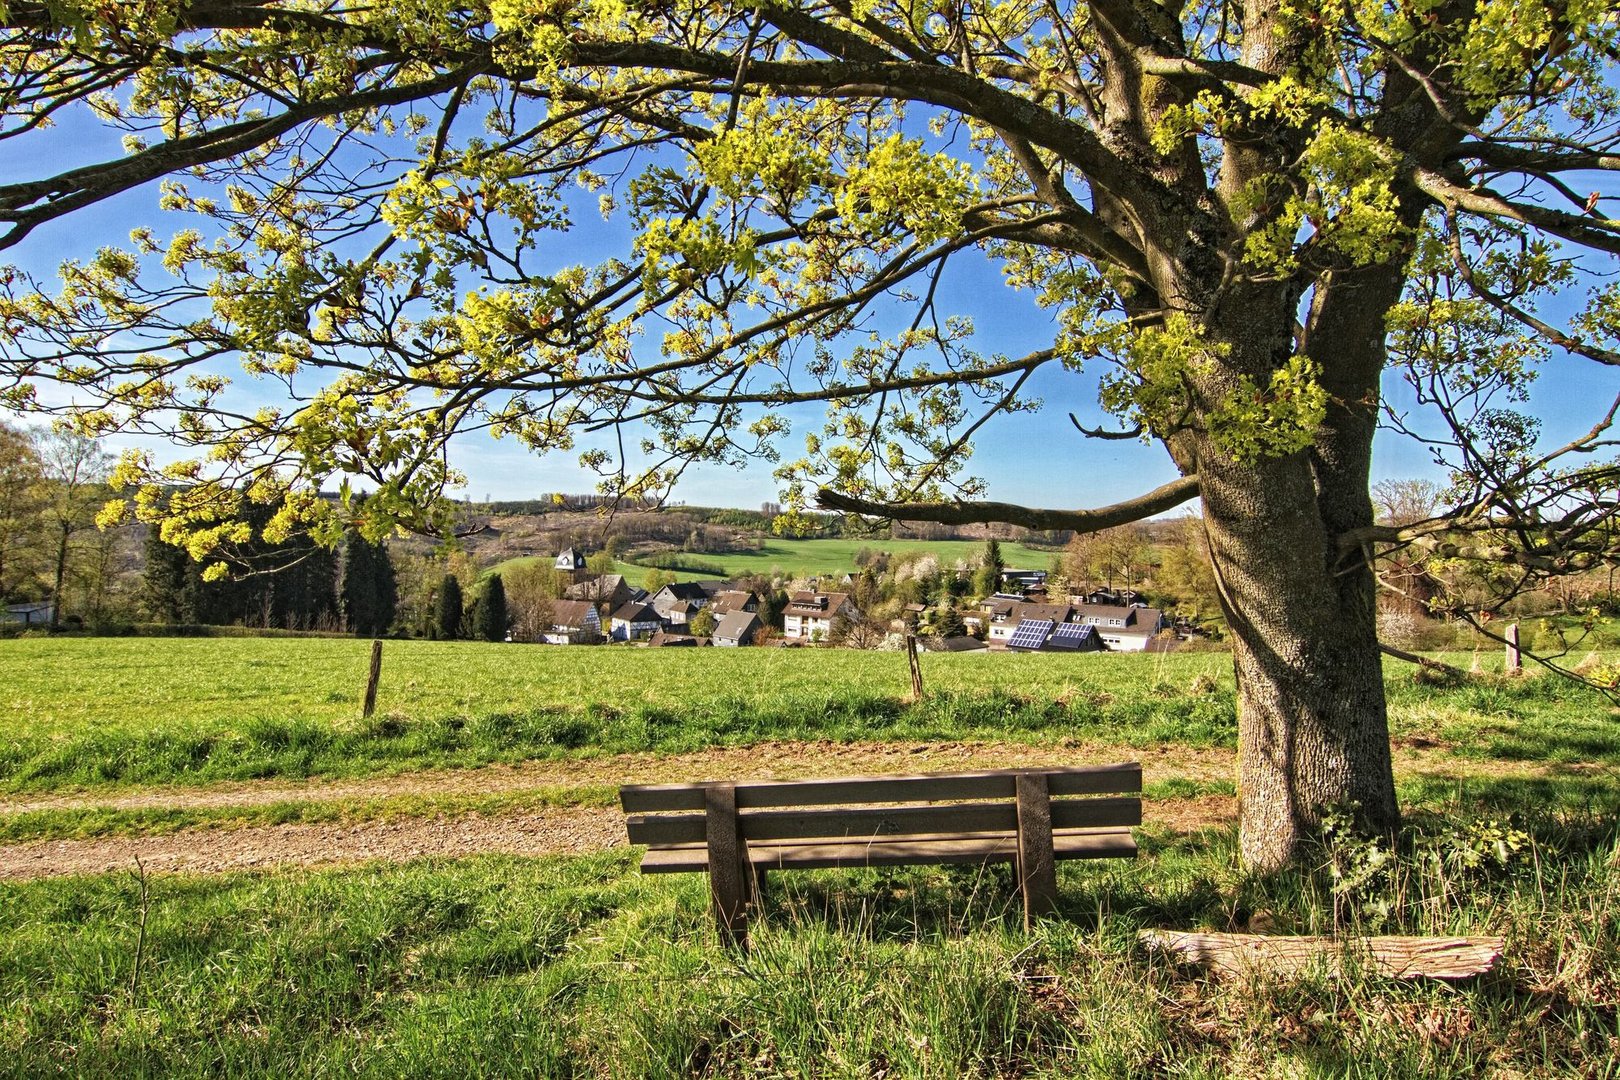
[[930, 804]]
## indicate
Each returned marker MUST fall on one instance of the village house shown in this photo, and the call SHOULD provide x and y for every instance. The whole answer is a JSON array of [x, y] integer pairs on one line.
[[809, 615], [736, 628], [994, 609], [727, 601], [1001, 632], [677, 602], [1023, 581], [634, 622], [608, 591], [573, 622], [1123, 629]]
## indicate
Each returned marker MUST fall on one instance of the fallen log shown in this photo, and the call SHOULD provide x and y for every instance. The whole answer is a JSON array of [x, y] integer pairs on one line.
[[1390, 957]]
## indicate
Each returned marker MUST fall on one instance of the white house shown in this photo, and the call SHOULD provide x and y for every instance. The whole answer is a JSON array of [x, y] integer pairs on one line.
[[809, 616], [678, 602], [1123, 629], [634, 622]]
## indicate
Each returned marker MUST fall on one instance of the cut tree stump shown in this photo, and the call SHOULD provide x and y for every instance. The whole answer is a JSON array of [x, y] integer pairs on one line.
[[1390, 957]]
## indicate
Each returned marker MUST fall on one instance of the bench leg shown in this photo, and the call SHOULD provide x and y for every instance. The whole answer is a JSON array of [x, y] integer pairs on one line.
[[1037, 861], [730, 876]]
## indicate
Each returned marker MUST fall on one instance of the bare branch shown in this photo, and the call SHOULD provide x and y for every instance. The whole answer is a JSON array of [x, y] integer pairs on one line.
[[1156, 501]]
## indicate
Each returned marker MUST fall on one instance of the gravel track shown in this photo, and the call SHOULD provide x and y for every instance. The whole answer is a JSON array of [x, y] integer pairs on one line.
[[573, 830]]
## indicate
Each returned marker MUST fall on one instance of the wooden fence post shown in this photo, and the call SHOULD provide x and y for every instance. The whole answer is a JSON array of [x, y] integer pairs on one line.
[[916, 666], [1512, 635], [371, 680]]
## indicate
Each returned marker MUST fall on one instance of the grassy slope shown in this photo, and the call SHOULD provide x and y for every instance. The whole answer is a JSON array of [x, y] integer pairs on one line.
[[97, 711], [806, 558], [117, 711]]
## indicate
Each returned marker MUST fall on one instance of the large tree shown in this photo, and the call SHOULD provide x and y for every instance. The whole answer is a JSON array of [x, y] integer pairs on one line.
[[75, 470], [1244, 212], [22, 497]]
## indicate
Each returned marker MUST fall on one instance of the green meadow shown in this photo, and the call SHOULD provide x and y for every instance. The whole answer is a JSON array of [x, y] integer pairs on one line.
[[581, 967], [819, 558]]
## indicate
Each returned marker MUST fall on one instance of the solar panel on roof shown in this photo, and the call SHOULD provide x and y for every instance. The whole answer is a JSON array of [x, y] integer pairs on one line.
[[1070, 636], [1030, 633]]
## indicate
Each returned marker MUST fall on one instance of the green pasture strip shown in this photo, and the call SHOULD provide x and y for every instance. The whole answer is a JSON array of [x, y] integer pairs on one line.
[[61, 686], [1533, 718], [105, 712], [821, 558], [500, 966], [83, 823], [230, 710]]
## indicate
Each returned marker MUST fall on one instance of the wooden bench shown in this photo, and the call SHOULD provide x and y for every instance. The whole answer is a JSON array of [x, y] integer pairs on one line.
[[739, 831]]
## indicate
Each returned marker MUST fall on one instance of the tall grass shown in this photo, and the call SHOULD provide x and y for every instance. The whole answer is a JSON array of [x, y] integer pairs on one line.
[[582, 968]]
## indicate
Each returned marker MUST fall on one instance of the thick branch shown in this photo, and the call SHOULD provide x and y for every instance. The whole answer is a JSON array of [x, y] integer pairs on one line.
[[935, 84], [1156, 501], [31, 203]]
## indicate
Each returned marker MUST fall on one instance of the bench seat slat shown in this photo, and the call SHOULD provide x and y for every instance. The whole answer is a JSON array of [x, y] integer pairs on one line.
[[921, 787], [885, 821], [895, 851]]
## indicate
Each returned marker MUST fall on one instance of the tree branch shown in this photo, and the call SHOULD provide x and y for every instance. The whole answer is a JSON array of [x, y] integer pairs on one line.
[[1156, 501]]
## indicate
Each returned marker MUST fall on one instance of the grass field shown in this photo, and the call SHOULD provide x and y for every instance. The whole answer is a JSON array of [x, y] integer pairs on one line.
[[101, 711], [810, 558], [580, 967], [583, 968]]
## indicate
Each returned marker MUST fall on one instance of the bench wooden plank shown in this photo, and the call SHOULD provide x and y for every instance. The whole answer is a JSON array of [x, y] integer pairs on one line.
[[726, 855], [919, 787], [1037, 866], [895, 851], [951, 818]]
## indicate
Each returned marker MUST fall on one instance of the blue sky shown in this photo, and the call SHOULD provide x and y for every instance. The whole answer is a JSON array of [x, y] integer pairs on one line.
[[1030, 458]]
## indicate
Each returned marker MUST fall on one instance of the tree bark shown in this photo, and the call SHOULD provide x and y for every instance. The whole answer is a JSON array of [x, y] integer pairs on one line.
[[1313, 730]]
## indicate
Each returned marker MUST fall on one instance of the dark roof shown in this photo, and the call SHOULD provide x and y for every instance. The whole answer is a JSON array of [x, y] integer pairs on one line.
[[815, 603], [685, 590], [633, 612], [1071, 636], [1056, 612], [733, 625]]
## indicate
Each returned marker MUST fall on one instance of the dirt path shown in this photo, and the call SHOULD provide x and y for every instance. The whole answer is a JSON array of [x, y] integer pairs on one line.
[[578, 829], [552, 832]]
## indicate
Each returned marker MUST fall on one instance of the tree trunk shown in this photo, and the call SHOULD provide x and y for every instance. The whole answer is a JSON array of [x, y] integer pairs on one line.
[[61, 571], [1313, 728]]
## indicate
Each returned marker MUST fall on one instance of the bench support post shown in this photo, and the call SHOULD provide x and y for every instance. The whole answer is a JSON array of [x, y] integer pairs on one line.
[[730, 877], [1037, 861]]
